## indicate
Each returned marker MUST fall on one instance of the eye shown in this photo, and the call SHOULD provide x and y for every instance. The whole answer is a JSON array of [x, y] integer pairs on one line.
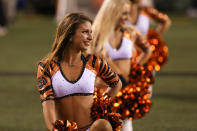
[[85, 31], [125, 13]]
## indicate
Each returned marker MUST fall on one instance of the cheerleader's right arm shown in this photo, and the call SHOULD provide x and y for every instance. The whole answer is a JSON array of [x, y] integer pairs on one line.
[[47, 97], [143, 46]]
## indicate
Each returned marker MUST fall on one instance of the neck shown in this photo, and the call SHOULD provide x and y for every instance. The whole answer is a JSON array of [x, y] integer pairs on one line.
[[117, 34], [71, 56], [117, 29], [134, 13]]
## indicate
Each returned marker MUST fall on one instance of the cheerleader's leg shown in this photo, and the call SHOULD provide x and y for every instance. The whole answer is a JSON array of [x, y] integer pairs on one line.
[[100, 125], [151, 86], [127, 125]]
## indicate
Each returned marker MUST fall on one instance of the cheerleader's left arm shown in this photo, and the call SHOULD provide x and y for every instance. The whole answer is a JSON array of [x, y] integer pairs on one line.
[[108, 76], [143, 46], [163, 19]]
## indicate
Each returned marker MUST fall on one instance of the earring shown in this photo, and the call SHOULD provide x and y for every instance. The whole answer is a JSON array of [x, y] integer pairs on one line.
[[70, 40]]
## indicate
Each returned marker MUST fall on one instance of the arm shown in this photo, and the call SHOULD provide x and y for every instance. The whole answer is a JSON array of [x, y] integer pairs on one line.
[[114, 91], [163, 27], [49, 114], [162, 18], [109, 76], [144, 48], [112, 65], [46, 96], [141, 44], [99, 81]]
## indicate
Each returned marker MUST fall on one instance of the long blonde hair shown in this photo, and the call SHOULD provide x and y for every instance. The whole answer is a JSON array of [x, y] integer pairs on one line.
[[65, 30], [104, 24]]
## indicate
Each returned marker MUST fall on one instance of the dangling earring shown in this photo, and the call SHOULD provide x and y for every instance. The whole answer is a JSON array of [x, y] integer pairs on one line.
[[70, 40]]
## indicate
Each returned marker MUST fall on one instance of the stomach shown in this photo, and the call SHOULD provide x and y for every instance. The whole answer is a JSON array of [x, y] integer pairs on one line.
[[76, 109], [124, 66]]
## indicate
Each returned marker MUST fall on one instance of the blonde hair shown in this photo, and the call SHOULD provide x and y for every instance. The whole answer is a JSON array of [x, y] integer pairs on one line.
[[104, 24], [65, 30]]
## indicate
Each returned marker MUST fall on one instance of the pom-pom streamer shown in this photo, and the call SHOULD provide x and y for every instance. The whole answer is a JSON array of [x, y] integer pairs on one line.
[[61, 125], [101, 109]]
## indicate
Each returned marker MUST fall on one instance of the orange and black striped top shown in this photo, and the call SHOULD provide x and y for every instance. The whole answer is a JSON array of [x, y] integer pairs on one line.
[[53, 84], [154, 14], [146, 13]]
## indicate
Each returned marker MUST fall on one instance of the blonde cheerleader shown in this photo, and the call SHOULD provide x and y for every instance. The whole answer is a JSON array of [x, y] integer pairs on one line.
[[115, 41]]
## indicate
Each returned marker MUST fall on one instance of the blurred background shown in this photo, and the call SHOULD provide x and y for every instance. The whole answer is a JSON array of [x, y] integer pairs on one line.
[[27, 30]]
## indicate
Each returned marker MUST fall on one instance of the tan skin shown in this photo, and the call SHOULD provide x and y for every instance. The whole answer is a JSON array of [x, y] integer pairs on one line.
[[73, 108], [134, 13], [123, 66]]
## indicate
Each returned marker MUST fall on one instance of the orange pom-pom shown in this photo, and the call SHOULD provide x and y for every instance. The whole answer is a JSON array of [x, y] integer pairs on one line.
[[160, 51], [61, 125], [134, 98], [101, 109], [135, 105]]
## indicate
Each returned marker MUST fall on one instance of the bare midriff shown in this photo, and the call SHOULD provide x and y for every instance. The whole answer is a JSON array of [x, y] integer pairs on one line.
[[75, 108], [124, 66]]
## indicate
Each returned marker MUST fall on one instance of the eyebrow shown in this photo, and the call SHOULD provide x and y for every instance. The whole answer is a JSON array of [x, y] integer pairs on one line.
[[125, 12], [85, 28]]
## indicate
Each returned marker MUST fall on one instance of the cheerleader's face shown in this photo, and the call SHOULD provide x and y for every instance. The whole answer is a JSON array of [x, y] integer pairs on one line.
[[82, 37], [124, 16]]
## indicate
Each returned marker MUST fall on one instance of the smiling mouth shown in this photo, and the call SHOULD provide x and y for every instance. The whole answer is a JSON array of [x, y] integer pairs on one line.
[[87, 43]]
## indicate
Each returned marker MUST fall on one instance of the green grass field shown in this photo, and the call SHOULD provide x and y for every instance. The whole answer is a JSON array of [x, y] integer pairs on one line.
[[30, 38]]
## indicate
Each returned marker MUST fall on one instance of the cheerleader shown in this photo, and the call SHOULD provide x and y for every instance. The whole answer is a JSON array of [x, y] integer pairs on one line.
[[66, 78], [115, 42], [140, 17]]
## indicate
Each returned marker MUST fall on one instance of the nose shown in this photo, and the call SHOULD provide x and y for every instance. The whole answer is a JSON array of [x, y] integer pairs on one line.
[[90, 36], [126, 17]]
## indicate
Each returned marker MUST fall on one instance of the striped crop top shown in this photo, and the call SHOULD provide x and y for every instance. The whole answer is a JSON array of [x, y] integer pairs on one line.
[[53, 84]]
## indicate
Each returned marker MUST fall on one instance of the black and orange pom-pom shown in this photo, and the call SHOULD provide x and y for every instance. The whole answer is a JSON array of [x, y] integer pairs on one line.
[[101, 109], [159, 56], [140, 75], [132, 102], [61, 125]]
